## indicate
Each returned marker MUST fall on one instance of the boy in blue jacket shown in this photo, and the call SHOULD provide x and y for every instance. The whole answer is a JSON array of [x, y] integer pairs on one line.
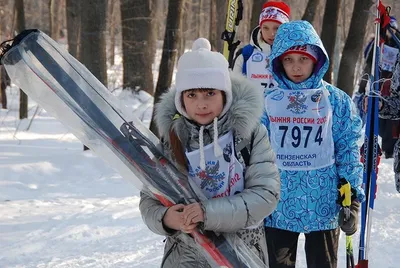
[[314, 131]]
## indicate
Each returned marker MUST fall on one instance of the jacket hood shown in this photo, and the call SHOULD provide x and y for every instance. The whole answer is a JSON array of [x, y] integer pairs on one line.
[[242, 117], [297, 33], [257, 41]]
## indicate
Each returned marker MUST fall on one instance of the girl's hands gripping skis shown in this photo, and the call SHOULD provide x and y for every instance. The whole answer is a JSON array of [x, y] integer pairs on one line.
[[173, 218], [183, 218], [192, 215]]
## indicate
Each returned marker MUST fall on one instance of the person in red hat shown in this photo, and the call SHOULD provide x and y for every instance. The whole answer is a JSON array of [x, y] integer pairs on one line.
[[253, 59]]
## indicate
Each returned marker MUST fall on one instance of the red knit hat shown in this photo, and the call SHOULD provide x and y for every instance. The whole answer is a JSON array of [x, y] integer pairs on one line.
[[274, 11], [308, 50]]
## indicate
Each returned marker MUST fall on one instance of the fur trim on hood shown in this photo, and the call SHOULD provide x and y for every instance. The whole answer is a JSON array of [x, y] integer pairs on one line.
[[242, 117]]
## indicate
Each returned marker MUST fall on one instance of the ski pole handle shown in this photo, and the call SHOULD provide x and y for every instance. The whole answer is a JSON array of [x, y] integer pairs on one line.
[[344, 189]]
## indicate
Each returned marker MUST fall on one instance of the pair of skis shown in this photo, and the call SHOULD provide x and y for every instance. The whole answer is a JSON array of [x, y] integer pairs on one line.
[[233, 17], [67, 90], [371, 152]]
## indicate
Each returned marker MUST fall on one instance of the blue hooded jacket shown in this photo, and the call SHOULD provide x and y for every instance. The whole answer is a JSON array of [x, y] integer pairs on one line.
[[308, 198]]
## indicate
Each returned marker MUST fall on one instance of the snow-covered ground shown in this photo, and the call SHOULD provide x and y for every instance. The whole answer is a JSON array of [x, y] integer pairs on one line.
[[63, 207]]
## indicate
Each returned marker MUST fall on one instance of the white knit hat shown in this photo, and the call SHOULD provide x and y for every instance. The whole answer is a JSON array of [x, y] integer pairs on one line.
[[202, 68]]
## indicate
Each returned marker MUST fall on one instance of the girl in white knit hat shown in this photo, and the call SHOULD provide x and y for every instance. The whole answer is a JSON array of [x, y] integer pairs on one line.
[[202, 123]]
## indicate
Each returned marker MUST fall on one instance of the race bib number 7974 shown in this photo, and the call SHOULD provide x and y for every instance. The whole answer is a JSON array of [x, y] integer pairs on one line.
[[301, 128]]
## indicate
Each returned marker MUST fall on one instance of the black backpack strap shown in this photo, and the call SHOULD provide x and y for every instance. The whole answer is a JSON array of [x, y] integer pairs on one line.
[[244, 147], [246, 156], [247, 51], [238, 53]]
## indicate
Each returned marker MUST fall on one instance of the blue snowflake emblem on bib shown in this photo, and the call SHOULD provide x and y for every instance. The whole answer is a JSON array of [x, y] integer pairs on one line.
[[212, 179], [278, 96], [296, 102], [257, 57]]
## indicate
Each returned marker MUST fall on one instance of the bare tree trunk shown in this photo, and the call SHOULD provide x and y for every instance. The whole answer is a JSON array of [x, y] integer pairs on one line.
[[3, 36], [6, 19], [319, 17], [343, 24], [244, 27], [3, 94], [353, 45], [311, 10], [192, 19], [329, 31], [222, 9], [159, 17], [213, 24], [73, 15], [137, 44], [4, 82], [153, 36], [255, 12], [184, 27], [93, 45], [111, 27], [200, 27], [92, 36], [54, 18], [171, 40], [20, 26]]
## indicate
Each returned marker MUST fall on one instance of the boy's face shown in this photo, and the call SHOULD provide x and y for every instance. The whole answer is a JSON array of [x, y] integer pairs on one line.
[[298, 67], [268, 31], [203, 106]]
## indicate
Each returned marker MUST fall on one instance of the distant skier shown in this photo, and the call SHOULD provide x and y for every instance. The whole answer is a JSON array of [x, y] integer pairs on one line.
[[389, 104], [388, 129], [252, 60], [389, 108]]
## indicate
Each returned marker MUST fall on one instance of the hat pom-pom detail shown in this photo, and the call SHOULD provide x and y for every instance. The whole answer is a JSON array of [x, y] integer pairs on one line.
[[201, 43]]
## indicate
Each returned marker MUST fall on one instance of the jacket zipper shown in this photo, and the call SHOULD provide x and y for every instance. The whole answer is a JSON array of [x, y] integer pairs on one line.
[[168, 253]]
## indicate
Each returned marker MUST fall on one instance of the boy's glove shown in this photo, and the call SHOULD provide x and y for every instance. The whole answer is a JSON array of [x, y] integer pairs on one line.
[[348, 218]]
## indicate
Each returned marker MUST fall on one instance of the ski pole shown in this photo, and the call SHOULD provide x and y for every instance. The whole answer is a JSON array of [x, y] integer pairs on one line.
[[344, 188]]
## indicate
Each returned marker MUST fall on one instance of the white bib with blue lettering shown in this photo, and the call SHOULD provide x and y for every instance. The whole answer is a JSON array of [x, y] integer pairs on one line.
[[258, 70], [223, 175], [301, 128], [389, 58]]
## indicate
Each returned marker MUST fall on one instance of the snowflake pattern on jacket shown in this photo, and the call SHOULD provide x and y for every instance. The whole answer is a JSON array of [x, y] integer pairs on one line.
[[308, 198]]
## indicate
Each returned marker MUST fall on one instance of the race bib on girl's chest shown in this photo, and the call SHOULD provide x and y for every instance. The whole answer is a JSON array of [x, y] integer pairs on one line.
[[223, 175], [301, 128]]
